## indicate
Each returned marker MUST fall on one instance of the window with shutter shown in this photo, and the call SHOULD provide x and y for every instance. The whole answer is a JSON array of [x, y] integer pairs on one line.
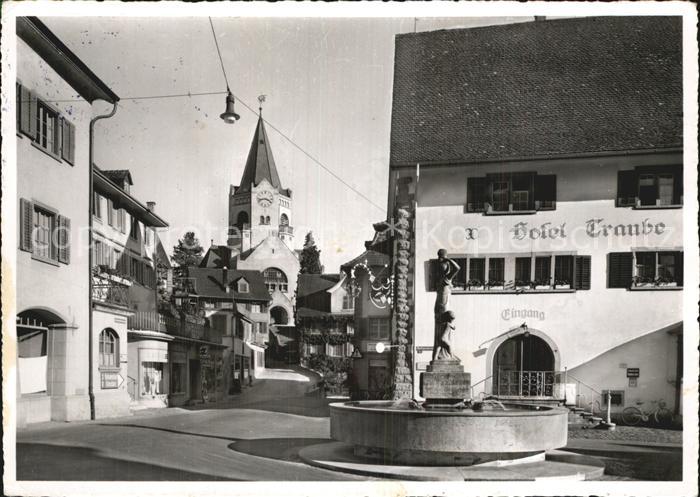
[[27, 111], [626, 189], [619, 270], [67, 141], [63, 240], [582, 272]]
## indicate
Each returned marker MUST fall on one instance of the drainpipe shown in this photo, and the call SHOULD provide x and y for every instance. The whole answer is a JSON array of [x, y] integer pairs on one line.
[[91, 390]]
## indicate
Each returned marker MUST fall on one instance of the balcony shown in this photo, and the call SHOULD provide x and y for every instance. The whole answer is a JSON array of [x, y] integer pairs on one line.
[[110, 289], [186, 327], [286, 230]]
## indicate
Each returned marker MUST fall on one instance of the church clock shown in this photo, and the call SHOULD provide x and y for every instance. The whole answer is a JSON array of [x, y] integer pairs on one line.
[[264, 198]]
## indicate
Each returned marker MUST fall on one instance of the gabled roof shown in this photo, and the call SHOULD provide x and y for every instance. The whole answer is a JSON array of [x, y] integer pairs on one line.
[[160, 254], [123, 200], [537, 89], [218, 256], [118, 176], [260, 164], [73, 70], [308, 284], [209, 282], [371, 258]]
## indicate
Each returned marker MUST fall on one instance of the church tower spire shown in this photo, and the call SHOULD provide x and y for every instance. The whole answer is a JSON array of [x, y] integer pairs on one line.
[[260, 206]]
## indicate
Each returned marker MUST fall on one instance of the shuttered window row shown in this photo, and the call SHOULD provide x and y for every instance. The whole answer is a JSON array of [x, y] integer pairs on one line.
[[650, 186], [645, 269], [47, 128], [44, 232], [521, 274], [110, 259], [512, 192]]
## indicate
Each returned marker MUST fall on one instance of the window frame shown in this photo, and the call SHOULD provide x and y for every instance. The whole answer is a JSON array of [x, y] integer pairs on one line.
[[52, 214], [55, 115], [481, 193], [114, 336], [629, 182], [383, 328], [655, 283]]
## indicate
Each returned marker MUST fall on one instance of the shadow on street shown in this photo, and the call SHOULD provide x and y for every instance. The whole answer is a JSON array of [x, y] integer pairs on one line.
[[43, 462], [284, 449]]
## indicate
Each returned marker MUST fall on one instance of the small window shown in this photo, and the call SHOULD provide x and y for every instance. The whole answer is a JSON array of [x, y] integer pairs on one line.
[[275, 279], [48, 131], [496, 271], [44, 225], [134, 230], [284, 220], [97, 206], [617, 398], [523, 267], [348, 302], [378, 329], [110, 212], [543, 270], [109, 349], [243, 286]]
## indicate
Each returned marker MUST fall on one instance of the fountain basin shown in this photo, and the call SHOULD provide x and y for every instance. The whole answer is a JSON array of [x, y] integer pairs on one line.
[[391, 432]]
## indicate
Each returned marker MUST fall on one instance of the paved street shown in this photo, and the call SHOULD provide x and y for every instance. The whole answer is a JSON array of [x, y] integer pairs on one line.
[[254, 437], [257, 436]]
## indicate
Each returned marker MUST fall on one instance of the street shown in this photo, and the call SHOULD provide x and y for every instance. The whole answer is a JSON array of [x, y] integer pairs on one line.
[[257, 436], [254, 437]]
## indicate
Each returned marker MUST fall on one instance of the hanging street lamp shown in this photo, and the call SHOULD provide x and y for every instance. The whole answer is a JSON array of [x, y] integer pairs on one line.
[[230, 115]]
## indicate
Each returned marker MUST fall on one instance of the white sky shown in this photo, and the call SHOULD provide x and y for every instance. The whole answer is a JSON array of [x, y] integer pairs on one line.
[[328, 84]]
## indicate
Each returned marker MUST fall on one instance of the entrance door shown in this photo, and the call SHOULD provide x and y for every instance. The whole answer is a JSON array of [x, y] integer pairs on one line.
[[524, 366], [195, 380]]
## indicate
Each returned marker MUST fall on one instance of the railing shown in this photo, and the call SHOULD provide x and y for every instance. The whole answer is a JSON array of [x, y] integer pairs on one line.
[[525, 383], [187, 327], [106, 290], [482, 394]]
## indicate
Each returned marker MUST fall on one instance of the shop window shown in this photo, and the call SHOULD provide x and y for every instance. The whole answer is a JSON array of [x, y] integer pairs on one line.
[[645, 269], [109, 349], [378, 329], [647, 187], [511, 192], [152, 378]]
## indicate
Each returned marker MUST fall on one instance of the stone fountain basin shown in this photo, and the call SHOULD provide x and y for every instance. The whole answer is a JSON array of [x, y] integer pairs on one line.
[[393, 432]]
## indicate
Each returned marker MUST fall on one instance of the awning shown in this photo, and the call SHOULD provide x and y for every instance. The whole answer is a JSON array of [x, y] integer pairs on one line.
[[156, 335], [197, 340]]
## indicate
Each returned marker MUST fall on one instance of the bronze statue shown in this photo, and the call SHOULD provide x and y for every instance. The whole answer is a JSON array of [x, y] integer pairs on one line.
[[445, 272]]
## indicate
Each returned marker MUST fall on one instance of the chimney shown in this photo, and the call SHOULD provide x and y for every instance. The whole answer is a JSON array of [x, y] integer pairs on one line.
[[224, 272], [151, 206]]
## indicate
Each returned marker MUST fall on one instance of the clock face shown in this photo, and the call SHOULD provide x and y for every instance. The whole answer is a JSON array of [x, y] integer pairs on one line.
[[265, 198]]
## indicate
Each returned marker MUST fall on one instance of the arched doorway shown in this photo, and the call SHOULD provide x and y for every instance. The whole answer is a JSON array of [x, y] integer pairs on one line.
[[523, 366], [33, 326], [279, 316]]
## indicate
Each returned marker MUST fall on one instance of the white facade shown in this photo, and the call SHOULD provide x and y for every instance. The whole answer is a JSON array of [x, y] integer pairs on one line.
[[580, 326]]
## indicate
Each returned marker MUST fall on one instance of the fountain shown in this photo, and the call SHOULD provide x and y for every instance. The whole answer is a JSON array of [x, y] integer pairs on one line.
[[449, 436]]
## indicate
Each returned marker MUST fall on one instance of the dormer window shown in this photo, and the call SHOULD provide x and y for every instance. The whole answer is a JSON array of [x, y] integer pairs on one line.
[[243, 286]]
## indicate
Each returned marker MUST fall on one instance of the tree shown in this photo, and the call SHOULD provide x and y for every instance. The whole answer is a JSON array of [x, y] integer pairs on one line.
[[310, 257], [188, 251]]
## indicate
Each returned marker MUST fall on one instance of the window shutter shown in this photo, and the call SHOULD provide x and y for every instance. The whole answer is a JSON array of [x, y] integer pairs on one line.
[[626, 189], [679, 268], [476, 194], [582, 272], [66, 141], [619, 269], [71, 150], [28, 112], [678, 185], [63, 239], [26, 224], [545, 192]]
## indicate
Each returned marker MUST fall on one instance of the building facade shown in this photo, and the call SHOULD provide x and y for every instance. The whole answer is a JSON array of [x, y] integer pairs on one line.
[[557, 188], [53, 149]]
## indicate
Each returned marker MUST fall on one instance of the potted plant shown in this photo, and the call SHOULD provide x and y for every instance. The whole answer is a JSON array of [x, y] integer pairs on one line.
[[562, 284], [475, 284], [643, 281], [495, 284], [542, 284], [665, 281], [522, 285]]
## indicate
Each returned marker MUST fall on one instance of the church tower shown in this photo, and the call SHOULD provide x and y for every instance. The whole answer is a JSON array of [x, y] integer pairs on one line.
[[260, 207]]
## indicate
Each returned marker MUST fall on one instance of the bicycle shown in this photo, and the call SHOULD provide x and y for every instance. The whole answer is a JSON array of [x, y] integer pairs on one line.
[[662, 416]]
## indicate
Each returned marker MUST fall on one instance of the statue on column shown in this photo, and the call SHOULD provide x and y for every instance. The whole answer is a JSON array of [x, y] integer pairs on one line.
[[445, 271]]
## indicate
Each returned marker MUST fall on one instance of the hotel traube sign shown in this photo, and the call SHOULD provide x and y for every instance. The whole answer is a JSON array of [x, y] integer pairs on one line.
[[594, 228]]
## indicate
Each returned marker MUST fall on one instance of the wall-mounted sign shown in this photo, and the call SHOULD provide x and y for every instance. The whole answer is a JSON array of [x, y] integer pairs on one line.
[[508, 314], [594, 228], [110, 380], [632, 372]]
